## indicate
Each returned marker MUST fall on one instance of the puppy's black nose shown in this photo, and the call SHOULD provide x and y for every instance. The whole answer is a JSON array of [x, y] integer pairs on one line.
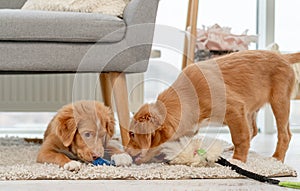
[[96, 155]]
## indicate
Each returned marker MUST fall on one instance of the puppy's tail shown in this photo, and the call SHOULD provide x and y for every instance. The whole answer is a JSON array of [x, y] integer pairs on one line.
[[292, 58]]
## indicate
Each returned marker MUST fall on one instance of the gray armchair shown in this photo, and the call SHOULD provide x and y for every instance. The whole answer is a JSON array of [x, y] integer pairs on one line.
[[68, 42]]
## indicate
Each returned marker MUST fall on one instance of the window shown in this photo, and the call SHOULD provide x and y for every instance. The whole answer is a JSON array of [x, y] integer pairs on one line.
[[236, 14], [287, 28]]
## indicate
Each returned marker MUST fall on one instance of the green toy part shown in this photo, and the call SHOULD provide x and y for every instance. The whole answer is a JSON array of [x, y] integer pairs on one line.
[[201, 152], [290, 184]]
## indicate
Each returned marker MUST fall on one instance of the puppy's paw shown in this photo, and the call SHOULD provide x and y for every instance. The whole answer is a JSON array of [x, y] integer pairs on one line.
[[72, 165], [123, 159]]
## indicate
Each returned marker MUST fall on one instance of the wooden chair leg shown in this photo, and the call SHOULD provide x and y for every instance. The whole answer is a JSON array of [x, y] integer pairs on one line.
[[186, 40], [106, 89], [193, 22], [190, 43], [119, 88]]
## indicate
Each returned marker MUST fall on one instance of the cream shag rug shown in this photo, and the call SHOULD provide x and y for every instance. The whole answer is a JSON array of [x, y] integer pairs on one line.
[[17, 162]]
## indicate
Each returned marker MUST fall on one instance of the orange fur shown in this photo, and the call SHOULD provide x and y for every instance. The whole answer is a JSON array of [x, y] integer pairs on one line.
[[79, 131], [230, 89]]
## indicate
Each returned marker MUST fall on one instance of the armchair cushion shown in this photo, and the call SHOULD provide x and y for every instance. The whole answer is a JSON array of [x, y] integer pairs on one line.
[[11, 4], [24, 25]]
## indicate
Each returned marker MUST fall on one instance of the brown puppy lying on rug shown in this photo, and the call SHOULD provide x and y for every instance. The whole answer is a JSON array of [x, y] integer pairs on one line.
[[81, 131], [230, 90]]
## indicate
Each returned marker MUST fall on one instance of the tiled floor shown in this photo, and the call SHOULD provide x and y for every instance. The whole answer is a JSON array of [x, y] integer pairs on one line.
[[263, 144]]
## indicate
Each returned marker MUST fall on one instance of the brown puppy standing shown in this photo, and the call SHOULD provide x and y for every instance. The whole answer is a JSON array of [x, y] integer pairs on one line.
[[230, 90], [81, 131]]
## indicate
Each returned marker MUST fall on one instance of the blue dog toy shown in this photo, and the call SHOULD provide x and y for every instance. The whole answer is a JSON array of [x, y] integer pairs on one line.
[[101, 161]]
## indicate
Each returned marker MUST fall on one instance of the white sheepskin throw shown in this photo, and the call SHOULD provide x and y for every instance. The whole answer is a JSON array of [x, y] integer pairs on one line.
[[111, 7], [193, 151]]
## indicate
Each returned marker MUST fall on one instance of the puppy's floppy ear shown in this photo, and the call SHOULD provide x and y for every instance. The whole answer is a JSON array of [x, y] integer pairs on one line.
[[153, 114], [159, 112], [144, 117], [110, 124], [150, 117], [66, 126], [107, 115]]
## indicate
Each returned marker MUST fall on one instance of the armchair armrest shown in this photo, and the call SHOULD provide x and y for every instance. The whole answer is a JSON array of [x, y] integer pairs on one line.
[[11, 4], [140, 11]]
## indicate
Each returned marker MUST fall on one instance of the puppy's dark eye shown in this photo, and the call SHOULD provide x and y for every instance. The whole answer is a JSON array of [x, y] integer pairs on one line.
[[131, 134], [87, 134]]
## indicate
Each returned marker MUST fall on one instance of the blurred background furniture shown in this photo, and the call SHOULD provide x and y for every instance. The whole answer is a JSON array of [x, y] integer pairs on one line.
[[45, 42]]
